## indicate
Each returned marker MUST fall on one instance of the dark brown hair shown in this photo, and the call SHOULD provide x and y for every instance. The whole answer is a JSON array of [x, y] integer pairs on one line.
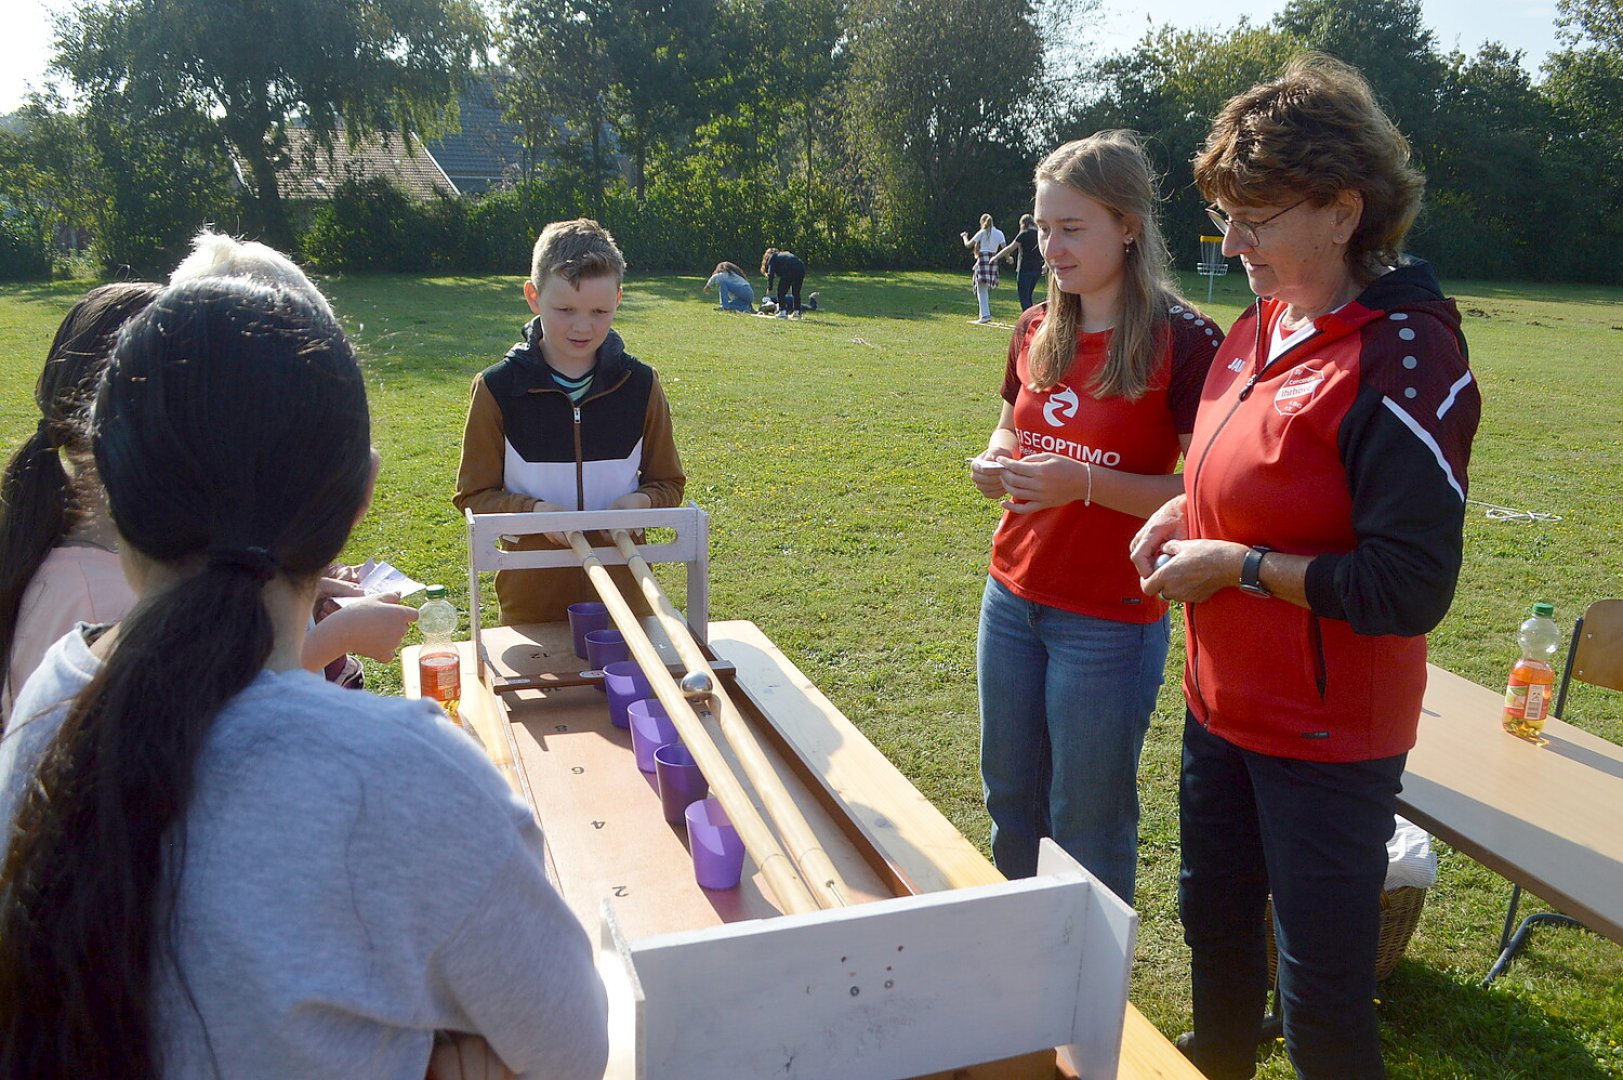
[[231, 434], [40, 503], [1312, 133]]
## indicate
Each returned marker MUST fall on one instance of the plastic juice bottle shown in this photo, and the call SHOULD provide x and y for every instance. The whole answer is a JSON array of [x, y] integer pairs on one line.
[[1532, 678], [439, 667]]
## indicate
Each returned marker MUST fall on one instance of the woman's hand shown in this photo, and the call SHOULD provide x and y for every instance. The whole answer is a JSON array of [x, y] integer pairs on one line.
[[332, 586], [371, 626], [989, 481], [1165, 524], [1043, 481], [1194, 570]]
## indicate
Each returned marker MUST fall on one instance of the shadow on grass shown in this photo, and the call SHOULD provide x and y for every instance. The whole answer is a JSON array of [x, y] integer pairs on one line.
[[1436, 1024]]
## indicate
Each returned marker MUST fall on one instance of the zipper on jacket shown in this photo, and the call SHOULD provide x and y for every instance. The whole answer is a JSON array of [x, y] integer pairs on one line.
[[580, 464]]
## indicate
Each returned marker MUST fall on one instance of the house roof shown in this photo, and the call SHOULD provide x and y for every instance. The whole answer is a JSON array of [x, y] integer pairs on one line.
[[486, 149], [311, 173]]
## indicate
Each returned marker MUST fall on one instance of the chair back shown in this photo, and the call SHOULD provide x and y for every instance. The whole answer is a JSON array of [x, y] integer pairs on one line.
[[1596, 653]]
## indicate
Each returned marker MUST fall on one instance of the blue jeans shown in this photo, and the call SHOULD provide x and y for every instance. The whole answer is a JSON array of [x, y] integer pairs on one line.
[[736, 297], [1314, 833], [1065, 705], [1026, 282]]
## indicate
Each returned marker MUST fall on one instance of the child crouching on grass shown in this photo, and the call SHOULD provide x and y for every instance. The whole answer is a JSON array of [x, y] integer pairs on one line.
[[567, 420]]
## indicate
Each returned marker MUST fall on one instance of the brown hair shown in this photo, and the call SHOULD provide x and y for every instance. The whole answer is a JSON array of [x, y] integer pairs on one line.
[[1111, 168], [1315, 132], [39, 502], [573, 250], [728, 268], [766, 258]]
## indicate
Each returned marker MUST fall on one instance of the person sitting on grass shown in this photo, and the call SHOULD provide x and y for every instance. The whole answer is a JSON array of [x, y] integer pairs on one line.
[[567, 420], [735, 289], [219, 864]]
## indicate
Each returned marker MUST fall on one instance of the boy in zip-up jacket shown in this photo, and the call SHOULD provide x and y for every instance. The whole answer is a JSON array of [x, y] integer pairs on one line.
[[567, 420]]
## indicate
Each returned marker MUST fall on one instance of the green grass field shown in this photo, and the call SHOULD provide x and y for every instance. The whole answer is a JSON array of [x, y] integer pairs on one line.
[[829, 454]]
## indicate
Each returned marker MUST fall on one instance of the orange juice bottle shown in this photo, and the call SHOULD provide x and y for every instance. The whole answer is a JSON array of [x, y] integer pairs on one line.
[[1529, 693], [439, 668]]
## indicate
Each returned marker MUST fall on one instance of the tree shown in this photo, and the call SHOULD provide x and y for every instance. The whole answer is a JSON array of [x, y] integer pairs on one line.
[[257, 66], [1169, 87], [939, 100], [636, 65], [1390, 43]]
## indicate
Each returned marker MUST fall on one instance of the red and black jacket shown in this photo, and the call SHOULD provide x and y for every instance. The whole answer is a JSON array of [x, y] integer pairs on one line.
[[1350, 447]]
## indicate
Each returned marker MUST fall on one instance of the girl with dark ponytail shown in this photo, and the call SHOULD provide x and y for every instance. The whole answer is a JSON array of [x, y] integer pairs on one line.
[[219, 864], [58, 565]]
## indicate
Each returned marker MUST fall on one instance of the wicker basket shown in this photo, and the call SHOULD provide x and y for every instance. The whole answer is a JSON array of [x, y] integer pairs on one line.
[[1400, 912]]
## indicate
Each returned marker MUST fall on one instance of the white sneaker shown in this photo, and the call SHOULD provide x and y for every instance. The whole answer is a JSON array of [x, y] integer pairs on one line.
[[984, 319], [795, 314], [783, 314]]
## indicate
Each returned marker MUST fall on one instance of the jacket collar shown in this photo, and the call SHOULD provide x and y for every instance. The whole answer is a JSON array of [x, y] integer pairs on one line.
[[531, 371]]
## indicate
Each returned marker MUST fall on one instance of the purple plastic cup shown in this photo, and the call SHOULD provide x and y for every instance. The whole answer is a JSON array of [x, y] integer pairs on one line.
[[680, 781], [604, 647], [718, 851], [651, 728], [584, 617], [625, 683]]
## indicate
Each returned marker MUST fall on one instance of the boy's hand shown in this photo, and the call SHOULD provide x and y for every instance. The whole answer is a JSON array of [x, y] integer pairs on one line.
[[636, 500], [543, 507]]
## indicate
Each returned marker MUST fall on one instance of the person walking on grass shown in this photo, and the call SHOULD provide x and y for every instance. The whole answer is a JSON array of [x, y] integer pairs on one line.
[[1099, 397], [986, 242], [1028, 265]]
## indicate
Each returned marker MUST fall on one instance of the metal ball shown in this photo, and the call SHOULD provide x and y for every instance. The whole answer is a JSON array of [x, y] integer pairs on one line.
[[1162, 560], [696, 686]]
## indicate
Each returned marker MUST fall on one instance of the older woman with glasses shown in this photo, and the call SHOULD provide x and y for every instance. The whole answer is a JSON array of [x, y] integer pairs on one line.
[[1317, 540]]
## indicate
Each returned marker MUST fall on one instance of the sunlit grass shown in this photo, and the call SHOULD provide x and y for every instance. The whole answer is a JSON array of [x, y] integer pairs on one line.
[[829, 453]]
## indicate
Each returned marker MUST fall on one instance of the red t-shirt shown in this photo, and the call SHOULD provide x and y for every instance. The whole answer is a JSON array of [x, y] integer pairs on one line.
[[1074, 557]]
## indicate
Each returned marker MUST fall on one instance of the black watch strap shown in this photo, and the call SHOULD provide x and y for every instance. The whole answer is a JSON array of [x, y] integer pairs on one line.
[[1251, 572]]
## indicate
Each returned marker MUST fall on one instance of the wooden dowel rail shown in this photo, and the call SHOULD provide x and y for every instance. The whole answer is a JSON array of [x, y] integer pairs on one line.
[[816, 868], [776, 866]]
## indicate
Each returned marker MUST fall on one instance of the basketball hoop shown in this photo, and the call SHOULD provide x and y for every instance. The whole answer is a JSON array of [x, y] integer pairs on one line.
[[1212, 264]]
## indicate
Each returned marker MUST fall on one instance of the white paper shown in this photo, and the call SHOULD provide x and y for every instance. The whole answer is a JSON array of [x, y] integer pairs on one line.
[[378, 578]]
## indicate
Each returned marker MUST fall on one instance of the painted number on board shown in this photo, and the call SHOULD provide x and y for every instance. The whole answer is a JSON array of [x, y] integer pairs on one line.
[[598, 824], [622, 890], [578, 769]]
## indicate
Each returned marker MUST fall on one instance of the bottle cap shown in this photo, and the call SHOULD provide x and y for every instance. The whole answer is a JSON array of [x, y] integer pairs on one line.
[[437, 592], [1543, 609]]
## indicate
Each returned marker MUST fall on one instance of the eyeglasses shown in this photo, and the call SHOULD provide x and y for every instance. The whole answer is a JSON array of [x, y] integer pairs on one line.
[[1247, 229]]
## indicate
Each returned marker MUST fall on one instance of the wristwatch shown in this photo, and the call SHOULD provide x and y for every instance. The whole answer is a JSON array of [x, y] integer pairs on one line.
[[1251, 572]]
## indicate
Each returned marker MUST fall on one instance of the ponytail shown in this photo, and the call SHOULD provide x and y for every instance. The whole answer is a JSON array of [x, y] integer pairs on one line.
[[38, 503], [226, 498]]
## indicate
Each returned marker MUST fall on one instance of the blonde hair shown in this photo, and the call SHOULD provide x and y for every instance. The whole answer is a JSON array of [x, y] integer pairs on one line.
[[216, 255], [766, 258], [573, 250], [1315, 132], [1111, 168]]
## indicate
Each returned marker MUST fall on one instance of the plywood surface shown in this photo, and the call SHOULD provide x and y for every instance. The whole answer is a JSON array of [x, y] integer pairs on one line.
[[1545, 817], [605, 830]]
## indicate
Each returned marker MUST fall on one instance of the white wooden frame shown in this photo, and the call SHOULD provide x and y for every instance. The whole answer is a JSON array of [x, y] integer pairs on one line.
[[891, 988], [691, 546]]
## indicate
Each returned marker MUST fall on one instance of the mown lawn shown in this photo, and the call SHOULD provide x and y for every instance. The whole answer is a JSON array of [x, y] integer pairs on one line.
[[829, 454]]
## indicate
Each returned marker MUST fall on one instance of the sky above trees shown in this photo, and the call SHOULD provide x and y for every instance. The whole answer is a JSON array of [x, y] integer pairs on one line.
[[1528, 25]]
